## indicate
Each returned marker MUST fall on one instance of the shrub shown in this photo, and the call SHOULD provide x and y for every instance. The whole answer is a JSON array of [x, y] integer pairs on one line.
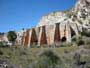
[[85, 32], [80, 42], [51, 58], [1, 44], [54, 58]]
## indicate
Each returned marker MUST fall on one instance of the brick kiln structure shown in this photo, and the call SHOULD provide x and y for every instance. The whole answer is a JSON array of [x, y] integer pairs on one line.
[[50, 34]]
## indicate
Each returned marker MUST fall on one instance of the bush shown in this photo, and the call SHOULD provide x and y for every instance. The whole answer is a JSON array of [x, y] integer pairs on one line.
[[52, 57], [85, 32], [80, 42], [47, 60], [1, 44]]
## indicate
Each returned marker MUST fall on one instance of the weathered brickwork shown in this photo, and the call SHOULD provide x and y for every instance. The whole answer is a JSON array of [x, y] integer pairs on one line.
[[50, 34]]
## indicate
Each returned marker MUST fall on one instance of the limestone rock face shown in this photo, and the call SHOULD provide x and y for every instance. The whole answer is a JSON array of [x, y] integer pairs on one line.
[[58, 27], [80, 15], [82, 11], [52, 18]]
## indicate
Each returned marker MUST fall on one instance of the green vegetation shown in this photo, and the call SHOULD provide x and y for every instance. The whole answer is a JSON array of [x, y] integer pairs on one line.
[[66, 55], [12, 36], [85, 32], [1, 44], [62, 57]]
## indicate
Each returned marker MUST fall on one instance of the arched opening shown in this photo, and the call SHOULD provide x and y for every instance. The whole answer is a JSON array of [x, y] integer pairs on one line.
[[33, 39], [57, 33], [63, 39], [43, 38], [26, 38], [72, 32]]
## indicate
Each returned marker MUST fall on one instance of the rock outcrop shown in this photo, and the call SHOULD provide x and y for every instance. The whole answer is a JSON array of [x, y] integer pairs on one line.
[[80, 15], [59, 26]]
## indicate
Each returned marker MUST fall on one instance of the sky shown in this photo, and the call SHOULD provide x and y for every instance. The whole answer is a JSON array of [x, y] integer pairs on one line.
[[18, 14]]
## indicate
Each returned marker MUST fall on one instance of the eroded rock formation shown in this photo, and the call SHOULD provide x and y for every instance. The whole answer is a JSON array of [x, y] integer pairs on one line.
[[59, 26]]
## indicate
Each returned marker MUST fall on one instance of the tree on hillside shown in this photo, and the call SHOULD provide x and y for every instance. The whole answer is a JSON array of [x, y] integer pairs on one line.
[[12, 37]]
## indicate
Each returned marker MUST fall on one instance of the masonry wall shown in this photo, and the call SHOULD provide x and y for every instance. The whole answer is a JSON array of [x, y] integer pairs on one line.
[[50, 34]]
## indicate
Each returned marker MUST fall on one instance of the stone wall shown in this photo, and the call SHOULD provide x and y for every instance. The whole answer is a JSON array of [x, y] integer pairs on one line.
[[50, 34]]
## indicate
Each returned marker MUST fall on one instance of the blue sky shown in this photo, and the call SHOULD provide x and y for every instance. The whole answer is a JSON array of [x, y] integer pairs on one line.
[[18, 14]]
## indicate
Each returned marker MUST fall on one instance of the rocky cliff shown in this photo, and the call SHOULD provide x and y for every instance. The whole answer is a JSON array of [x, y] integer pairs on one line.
[[57, 27], [80, 14]]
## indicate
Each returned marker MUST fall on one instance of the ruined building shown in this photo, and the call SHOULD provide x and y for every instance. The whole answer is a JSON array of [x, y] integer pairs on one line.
[[58, 27]]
